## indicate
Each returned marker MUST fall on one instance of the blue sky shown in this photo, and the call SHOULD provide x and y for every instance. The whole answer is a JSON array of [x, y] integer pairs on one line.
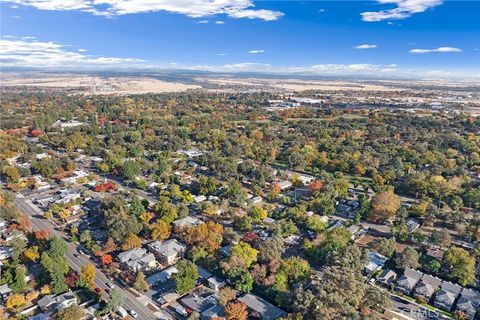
[[387, 37]]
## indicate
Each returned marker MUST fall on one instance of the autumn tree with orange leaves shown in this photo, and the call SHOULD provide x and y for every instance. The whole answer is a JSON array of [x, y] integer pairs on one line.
[[236, 311], [206, 235]]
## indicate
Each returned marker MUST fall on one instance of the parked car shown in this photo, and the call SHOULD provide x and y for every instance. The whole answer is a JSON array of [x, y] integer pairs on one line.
[[133, 314]]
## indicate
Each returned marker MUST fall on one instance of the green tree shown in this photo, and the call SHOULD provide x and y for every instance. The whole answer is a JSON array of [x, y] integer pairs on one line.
[[19, 285], [130, 169], [244, 251], [186, 277], [115, 300], [140, 283], [462, 265], [385, 246], [408, 258]]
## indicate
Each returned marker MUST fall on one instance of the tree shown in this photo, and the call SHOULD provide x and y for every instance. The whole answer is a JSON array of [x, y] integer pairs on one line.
[[441, 237], [236, 311], [316, 186], [107, 259], [186, 277], [296, 269], [384, 205], [54, 265], [11, 174], [206, 235], [140, 283], [376, 299], [87, 275], [226, 295], [462, 265], [19, 285], [115, 300], [431, 265], [31, 253], [408, 258], [315, 223], [42, 234], [244, 251], [69, 313], [15, 300], [258, 214], [130, 169], [131, 242], [161, 230], [272, 248], [243, 280], [385, 246]]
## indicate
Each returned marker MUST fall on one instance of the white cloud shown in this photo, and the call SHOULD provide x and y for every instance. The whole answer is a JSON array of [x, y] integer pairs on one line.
[[82, 50], [17, 17], [256, 51], [219, 22], [366, 46], [191, 8], [202, 21], [440, 49], [220, 54], [319, 69], [20, 52], [404, 9]]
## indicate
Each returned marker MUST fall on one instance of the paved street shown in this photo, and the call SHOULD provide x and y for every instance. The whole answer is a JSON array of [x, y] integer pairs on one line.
[[76, 263]]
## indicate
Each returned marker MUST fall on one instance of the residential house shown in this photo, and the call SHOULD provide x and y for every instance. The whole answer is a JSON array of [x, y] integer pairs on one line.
[[167, 252], [216, 283], [445, 297], [161, 276], [407, 282], [199, 199], [57, 302], [412, 225], [468, 303], [284, 185], [214, 312], [199, 300], [138, 259], [5, 290], [256, 200], [5, 252], [376, 261], [387, 277], [426, 287], [186, 222], [261, 308]]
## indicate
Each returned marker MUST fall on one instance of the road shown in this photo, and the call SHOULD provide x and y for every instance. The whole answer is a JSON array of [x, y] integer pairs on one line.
[[76, 262]]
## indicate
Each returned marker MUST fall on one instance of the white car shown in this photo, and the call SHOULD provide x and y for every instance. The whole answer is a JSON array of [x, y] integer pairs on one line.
[[133, 313], [110, 285]]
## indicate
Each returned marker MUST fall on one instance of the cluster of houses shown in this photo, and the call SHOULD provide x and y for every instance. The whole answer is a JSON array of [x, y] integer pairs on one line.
[[158, 260], [429, 289]]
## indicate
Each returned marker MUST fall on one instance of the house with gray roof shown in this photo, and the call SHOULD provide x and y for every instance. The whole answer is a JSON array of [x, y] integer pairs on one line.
[[445, 297], [138, 259], [375, 262], [167, 252], [214, 311], [407, 282], [427, 286], [58, 302], [468, 303], [387, 277], [258, 306], [186, 222]]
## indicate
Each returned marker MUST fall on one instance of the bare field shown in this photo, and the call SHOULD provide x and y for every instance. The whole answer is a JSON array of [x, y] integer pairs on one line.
[[296, 84], [100, 85]]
